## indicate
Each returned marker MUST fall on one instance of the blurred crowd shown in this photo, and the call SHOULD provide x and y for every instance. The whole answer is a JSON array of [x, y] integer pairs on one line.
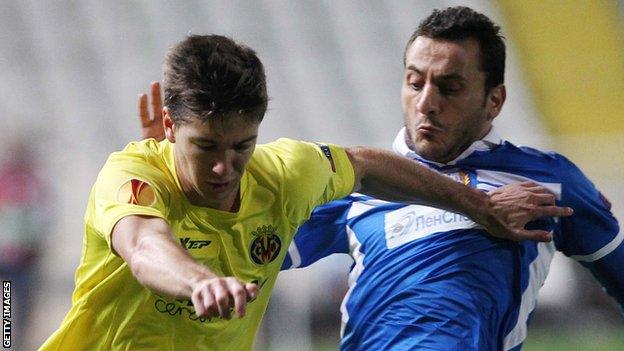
[[23, 219]]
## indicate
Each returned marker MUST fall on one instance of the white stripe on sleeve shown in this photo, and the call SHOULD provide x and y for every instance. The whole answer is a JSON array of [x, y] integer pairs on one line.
[[605, 250]]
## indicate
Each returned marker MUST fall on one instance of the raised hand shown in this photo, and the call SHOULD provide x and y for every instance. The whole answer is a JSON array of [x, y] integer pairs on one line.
[[151, 123]]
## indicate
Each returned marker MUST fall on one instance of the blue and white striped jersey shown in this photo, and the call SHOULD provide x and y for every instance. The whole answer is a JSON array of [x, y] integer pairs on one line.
[[429, 279]]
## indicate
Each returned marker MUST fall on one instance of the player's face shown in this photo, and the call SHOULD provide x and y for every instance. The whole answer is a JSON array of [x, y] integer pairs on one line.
[[445, 107], [211, 158]]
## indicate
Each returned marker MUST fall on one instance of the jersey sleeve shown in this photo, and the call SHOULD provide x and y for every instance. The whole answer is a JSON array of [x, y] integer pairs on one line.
[[592, 234], [324, 234], [127, 185], [312, 175]]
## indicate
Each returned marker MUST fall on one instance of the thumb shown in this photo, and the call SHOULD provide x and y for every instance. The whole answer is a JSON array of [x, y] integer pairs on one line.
[[252, 291], [536, 235]]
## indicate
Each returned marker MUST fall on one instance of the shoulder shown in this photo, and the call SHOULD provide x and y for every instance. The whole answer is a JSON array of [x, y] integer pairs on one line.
[[577, 190], [146, 150], [305, 174], [287, 158], [285, 150], [142, 162], [521, 161], [553, 163], [524, 155], [540, 156]]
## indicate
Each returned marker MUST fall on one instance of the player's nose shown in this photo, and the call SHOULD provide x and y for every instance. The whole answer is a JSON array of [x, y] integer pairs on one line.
[[428, 102], [223, 166]]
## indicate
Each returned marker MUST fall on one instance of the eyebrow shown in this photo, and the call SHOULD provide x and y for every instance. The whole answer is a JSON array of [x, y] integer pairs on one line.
[[445, 77]]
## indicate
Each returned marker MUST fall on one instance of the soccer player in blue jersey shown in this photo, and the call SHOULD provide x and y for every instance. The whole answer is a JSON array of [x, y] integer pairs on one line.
[[428, 279]]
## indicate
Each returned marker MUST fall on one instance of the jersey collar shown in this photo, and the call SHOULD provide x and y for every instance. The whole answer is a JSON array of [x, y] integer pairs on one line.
[[488, 142]]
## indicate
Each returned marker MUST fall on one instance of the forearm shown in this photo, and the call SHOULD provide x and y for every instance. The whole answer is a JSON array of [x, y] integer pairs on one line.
[[163, 266], [387, 176], [608, 271], [156, 260], [160, 264]]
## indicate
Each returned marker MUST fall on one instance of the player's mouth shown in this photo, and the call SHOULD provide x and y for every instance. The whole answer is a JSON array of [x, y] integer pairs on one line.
[[219, 186], [428, 130]]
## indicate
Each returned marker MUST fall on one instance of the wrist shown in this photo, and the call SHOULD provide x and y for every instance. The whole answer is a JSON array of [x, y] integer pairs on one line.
[[478, 206], [198, 275]]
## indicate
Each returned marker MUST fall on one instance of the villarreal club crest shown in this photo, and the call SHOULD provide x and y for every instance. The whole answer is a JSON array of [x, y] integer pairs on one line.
[[266, 245]]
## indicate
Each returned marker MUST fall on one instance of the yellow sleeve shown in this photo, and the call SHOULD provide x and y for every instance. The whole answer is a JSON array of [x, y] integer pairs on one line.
[[128, 184], [312, 174]]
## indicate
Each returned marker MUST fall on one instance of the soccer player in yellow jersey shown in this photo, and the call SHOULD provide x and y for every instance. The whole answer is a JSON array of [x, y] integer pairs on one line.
[[181, 234]]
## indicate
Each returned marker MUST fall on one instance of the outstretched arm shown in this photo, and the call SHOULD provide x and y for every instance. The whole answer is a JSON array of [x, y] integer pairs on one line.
[[160, 264], [325, 233], [388, 176]]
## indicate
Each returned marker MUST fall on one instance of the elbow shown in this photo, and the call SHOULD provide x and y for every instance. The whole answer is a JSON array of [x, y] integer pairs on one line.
[[359, 157], [356, 155]]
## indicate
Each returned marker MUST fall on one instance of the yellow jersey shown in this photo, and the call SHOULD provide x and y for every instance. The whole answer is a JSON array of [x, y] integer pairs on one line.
[[281, 185]]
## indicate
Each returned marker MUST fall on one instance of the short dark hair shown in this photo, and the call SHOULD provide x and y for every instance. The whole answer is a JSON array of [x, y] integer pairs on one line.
[[208, 75], [461, 23]]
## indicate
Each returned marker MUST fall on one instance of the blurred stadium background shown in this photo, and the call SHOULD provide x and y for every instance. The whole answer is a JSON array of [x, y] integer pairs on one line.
[[71, 72]]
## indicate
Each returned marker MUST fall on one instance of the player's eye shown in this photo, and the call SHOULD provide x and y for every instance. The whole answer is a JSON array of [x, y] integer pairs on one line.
[[242, 147], [450, 89], [414, 80], [205, 147], [416, 86]]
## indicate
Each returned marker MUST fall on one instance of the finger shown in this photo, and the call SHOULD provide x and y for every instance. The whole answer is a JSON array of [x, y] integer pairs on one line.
[[252, 291], [156, 101], [206, 303], [240, 298], [535, 235], [544, 199], [212, 311], [209, 304], [551, 211], [536, 189], [198, 303], [529, 184], [222, 300], [143, 113]]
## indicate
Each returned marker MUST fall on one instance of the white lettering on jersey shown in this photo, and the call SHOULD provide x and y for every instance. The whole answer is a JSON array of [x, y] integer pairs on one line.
[[415, 221]]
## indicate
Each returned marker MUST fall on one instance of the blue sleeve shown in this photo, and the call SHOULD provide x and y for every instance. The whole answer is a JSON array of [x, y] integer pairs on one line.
[[607, 270], [591, 235], [322, 235]]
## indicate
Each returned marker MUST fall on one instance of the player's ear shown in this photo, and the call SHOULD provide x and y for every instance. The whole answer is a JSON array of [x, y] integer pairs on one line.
[[495, 100], [169, 125]]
